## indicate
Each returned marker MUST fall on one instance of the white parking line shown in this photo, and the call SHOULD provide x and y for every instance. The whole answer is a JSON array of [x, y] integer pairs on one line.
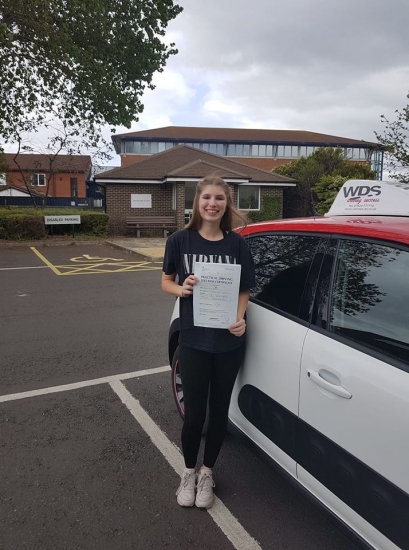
[[17, 268], [84, 384], [229, 525], [234, 531]]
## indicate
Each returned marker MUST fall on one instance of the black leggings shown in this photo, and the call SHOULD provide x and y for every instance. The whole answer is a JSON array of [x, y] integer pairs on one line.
[[202, 371]]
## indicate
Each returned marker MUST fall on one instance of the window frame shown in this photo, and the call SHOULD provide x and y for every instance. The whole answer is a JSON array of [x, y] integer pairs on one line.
[[37, 176], [3, 178], [259, 198], [311, 281], [174, 196], [353, 344], [74, 187]]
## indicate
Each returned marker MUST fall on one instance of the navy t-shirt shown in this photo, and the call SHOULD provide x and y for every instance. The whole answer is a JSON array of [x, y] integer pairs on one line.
[[183, 249]]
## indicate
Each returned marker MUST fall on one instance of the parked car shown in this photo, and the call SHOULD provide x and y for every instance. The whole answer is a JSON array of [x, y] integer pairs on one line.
[[324, 390]]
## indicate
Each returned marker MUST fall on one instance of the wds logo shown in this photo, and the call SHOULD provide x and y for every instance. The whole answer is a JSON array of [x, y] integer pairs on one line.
[[362, 191]]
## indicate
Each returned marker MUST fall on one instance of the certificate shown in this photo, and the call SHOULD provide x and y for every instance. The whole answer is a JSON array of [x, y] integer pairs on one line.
[[216, 294]]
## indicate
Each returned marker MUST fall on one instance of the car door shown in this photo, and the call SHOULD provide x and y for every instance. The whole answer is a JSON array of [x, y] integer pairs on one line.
[[264, 404], [353, 437]]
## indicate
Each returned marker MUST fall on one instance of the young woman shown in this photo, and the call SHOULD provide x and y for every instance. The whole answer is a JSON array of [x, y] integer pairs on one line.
[[209, 358]]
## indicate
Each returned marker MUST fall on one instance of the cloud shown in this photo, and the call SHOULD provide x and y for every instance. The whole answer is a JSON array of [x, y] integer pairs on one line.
[[300, 64], [331, 67]]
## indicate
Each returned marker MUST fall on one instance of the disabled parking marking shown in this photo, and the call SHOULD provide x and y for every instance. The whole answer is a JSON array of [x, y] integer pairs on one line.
[[47, 263], [88, 258], [90, 265]]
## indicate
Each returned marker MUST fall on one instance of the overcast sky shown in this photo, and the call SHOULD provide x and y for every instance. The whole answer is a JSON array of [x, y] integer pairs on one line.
[[317, 65]]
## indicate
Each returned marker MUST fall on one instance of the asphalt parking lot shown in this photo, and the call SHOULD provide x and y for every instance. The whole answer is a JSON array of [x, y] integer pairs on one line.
[[89, 431]]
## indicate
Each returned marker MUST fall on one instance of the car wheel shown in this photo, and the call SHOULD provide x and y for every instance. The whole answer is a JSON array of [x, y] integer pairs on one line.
[[177, 389]]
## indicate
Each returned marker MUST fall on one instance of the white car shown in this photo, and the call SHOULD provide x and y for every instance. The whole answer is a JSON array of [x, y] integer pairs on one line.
[[324, 390]]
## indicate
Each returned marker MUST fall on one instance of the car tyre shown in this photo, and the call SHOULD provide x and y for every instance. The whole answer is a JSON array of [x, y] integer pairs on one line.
[[177, 389]]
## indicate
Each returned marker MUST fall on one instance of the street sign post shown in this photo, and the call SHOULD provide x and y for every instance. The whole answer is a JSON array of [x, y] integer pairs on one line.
[[62, 220]]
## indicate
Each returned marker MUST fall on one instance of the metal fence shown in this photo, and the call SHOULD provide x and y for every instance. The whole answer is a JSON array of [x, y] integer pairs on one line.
[[60, 202]]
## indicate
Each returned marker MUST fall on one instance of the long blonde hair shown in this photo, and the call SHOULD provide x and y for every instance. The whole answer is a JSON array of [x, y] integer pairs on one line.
[[226, 223]]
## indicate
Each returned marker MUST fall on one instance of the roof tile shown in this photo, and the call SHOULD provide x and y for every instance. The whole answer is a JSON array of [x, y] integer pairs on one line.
[[188, 162], [34, 162]]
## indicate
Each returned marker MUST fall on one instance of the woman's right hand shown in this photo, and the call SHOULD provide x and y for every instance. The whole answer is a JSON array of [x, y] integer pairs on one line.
[[188, 284]]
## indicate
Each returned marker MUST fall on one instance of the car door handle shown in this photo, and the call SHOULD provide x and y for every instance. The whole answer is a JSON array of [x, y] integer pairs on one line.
[[333, 388]]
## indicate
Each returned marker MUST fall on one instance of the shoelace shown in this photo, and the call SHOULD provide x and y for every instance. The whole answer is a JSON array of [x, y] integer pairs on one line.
[[205, 483], [188, 480]]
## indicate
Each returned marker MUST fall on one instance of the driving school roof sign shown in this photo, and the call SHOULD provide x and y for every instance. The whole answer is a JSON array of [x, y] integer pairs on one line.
[[371, 198]]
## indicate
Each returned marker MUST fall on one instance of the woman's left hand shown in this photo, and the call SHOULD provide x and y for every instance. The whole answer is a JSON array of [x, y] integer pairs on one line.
[[239, 328]]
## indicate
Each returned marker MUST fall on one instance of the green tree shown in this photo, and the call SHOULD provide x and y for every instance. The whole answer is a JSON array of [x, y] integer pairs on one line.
[[310, 171], [326, 190], [396, 140], [91, 58]]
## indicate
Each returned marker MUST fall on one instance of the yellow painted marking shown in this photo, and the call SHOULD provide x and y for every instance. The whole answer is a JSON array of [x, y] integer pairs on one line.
[[90, 267], [88, 258], [49, 264], [107, 267]]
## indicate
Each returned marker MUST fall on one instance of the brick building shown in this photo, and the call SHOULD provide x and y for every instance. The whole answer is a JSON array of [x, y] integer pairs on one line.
[[264, 149], [164, 184], [60, 176]]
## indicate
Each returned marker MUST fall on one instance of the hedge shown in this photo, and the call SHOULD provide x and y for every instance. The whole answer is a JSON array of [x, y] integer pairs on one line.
[[271, 210], [18, 224]]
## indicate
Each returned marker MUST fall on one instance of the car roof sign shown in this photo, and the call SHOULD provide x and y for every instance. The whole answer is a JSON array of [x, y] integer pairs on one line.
[[371, 198]]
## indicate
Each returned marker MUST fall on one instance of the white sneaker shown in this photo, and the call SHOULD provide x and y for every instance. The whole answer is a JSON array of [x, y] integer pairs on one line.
[[187, 488], [204, 490]]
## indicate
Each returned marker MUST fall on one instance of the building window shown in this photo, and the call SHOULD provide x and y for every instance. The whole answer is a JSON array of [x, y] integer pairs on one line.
[[145, 148], [2, 178], [239, 149], [306, 151], [376, 163], [249, 197], [354, 153], [280, 150], [38, 179], [190, 191], [291, 151], [220, 149], [231, 150], [74, 187], [174, 196]]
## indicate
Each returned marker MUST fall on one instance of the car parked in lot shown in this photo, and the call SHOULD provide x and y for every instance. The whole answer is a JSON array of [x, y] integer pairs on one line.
[[324, 390]]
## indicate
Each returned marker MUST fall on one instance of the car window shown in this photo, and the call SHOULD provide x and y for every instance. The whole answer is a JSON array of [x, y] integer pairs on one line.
[[370, 298], [282, 263]]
